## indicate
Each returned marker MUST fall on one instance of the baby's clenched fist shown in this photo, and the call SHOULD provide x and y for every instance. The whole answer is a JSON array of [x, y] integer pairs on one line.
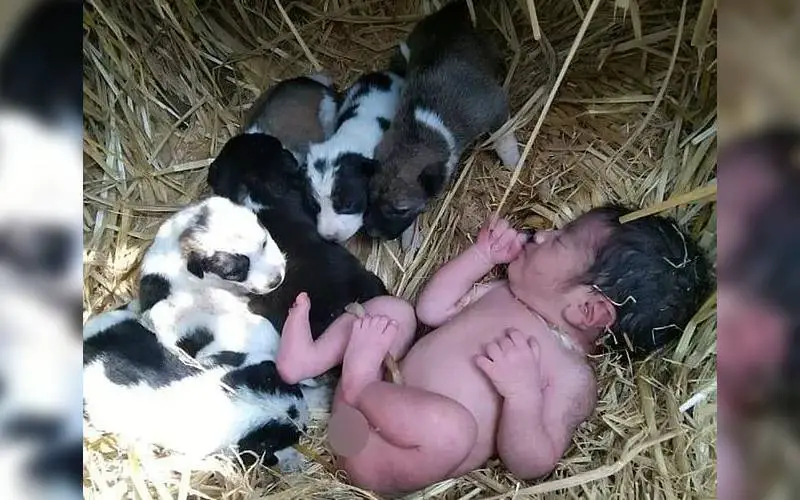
[[499, 243]]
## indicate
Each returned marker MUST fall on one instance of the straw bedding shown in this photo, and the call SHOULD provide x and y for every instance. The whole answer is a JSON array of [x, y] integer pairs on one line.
[[616, 101]]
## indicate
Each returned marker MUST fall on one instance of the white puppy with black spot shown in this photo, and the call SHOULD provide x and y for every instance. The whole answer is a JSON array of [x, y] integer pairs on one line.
[[340, 168], [198, 275], [197, 278]]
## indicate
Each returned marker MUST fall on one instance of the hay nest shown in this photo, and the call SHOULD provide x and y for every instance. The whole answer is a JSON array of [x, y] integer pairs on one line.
[[616, 101]]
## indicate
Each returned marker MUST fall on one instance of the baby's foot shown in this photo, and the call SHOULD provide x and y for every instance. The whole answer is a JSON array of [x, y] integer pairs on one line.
[[295, 352], [363, 360]]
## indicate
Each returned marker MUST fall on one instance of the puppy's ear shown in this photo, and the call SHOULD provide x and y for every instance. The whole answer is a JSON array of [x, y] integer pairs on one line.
[[228, 266], [288, 160], [194, 264], [220, 178], [358, 163], [432, 178], [369, 166]]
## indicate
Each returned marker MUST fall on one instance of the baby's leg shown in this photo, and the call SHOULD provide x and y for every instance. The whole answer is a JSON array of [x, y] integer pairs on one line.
[[300, 357], [408, 438]]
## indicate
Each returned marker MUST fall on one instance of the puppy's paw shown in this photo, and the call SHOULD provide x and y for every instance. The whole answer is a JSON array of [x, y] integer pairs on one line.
[[411, 239], [508, 150], [290, 460], [319, 399]]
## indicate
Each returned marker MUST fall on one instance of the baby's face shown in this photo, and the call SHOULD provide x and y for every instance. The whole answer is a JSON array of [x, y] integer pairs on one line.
[[552, 260]]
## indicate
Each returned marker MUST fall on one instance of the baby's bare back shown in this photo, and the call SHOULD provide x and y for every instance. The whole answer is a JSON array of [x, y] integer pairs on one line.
[[443, 362]]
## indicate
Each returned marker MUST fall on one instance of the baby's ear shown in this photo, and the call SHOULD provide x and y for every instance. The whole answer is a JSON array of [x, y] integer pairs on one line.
[[600, 312]]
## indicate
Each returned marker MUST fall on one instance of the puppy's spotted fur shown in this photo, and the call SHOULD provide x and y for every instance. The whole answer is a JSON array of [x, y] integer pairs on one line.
[[340, 168]]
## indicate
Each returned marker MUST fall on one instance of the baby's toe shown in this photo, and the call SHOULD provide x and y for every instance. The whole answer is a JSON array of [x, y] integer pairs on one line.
[[391, 327]]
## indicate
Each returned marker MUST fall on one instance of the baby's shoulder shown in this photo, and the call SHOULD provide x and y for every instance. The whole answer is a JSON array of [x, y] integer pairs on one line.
[[567, 368]]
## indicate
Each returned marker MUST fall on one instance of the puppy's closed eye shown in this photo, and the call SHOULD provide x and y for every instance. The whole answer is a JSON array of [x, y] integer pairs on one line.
[[228, 266], [432, 178]]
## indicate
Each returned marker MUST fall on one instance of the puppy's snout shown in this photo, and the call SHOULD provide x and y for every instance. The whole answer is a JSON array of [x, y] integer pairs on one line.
[[277, 280]]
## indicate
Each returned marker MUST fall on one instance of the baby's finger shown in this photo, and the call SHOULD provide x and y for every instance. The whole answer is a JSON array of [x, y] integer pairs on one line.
[[517, 337], [493, 351], [506, 344], [507, 238], [534, 345], [490, 223], [499, 226], [485, 365], [514, 249]]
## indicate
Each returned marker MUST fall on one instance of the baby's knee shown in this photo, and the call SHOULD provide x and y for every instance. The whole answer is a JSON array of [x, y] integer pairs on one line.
[[456, 432]]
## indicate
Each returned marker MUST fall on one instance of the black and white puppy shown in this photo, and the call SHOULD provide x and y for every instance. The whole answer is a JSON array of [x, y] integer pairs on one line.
[[198, 275], [196, 281], [298, 111], [340, 168], [256, 171], [138, 388], [452, 96]]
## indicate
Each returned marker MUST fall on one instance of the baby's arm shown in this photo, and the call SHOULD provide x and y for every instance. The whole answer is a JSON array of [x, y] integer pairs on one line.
[[536, 429], [451, 288]]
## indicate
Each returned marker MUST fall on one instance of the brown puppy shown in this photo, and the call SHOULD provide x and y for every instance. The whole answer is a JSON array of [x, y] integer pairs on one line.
[[452, 96], [298, 112]]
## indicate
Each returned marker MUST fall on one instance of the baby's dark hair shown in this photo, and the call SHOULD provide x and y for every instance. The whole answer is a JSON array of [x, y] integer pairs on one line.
[[655, 275]]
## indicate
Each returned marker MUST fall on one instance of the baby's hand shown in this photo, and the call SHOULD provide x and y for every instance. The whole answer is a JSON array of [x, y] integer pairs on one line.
[[512, 364], [499, 243]]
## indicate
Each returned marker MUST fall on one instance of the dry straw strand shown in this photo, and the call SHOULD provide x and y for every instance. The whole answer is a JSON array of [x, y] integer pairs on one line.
[[548, 103]]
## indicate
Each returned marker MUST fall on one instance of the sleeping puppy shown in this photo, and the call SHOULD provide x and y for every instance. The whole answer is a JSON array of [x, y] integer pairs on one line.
[[138, 388], [198, 275], [196, 280], [340, 168], [298, 111], [256, 171], [452, 96]]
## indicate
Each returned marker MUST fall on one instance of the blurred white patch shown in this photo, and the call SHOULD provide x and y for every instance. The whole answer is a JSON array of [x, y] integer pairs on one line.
[[290, 460]]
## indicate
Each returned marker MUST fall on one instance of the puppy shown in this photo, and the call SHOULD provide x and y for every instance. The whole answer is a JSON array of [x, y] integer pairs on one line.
[[298, 111], [340, 168], [198, 275], [452, 96], [256, 171], [196, 280], [137, 387]]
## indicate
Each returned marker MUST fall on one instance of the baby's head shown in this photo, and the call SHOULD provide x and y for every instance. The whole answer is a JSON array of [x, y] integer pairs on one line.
[[643, 280]]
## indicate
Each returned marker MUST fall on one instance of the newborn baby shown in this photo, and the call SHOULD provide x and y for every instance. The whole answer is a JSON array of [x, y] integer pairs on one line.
[[505, 372]]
